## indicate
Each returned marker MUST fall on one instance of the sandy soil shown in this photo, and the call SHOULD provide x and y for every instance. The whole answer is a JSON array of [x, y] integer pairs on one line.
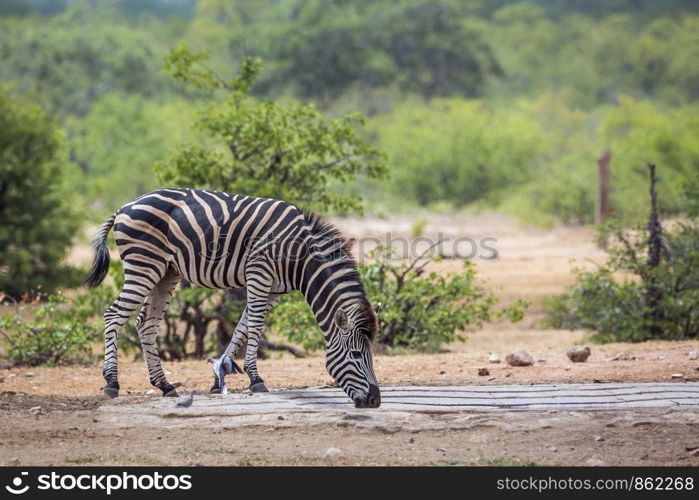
[[532, 264], [652, 361], [58, 434]]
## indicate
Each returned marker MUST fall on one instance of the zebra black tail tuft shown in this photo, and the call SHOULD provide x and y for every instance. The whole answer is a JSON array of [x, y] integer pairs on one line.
[[100, 260]]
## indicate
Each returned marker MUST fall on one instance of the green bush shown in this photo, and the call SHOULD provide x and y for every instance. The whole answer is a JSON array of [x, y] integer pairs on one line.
[[420, 310], [38, 212], [618, 310], [458, 151], [59, 331]]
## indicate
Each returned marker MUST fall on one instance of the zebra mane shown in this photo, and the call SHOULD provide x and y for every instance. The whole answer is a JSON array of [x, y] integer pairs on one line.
[[329, 236]]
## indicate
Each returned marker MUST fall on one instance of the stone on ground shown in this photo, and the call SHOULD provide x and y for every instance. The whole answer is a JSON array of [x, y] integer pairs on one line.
[[520, 357], [578, 354]]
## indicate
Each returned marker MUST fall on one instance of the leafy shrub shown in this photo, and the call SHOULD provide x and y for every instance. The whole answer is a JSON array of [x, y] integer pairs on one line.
[[420, 310], [59, 331], [457, 151], [659, 294], [37, 209]]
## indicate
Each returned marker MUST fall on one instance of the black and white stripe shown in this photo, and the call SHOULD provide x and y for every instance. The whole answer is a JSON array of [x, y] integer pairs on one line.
[[217, 240]]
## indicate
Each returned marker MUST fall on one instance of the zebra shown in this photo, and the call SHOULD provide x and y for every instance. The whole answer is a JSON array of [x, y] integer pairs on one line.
[[218, 240]]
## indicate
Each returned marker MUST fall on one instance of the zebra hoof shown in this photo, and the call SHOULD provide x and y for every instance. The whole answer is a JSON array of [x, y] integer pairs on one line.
[[111, 392], [215, 390], [258, 387], [172, 393]]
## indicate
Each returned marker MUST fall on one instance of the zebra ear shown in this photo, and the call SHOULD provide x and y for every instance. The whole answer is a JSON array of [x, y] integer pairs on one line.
[[377, 308], [341, 320]]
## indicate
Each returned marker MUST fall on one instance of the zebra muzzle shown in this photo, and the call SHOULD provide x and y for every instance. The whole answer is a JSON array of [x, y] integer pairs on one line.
[[372, 399]]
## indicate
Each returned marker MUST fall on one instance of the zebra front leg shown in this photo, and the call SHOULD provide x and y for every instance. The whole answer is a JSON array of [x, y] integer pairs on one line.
[[147, 324], [225, 364], [257, 311]]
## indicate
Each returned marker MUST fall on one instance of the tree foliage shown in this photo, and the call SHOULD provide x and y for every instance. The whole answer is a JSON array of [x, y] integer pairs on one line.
[[326, 47], [38, 216], [272, 149]]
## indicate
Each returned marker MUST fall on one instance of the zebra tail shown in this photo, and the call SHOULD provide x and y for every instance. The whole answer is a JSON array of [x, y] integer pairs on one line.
[[100, 251]]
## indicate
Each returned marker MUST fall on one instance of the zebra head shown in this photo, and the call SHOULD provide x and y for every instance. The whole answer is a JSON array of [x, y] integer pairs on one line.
[[349, 359]]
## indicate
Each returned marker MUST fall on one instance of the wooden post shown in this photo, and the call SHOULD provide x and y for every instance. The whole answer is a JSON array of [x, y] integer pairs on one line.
[[654, 293], [603, 208]]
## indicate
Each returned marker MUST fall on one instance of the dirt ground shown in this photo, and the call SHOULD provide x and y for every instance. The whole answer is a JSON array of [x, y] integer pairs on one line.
[[53, 415]]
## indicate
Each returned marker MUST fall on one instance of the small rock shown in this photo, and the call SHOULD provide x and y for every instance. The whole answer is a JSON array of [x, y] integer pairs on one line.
[[28, 374], [483, 372], [150, 391], [35, 408], [694, 355], [552, 448], [333, 453], [508, 374], [492, 379], [599, 439], [118, 434], [280, 417], [442, 372], [578, 354], [2, 379], [494, 358], [568, 368], [677, 375], [693, 452], [11, 375], [440, 449], [520, 357], [411, 440]]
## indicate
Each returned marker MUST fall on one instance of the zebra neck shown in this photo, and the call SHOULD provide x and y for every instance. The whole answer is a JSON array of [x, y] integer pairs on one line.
[[328, 285]]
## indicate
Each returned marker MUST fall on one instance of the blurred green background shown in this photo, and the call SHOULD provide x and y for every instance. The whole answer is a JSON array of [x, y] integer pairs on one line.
[[502, 104]]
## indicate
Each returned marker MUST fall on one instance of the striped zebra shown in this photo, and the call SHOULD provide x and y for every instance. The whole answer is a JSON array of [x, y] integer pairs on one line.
[[217, 240]]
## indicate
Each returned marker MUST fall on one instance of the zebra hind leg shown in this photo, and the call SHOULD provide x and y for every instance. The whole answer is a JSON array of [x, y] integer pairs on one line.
[[147, 324], [115, 317]]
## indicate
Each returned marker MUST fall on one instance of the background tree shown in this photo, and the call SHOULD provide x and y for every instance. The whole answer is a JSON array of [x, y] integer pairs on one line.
[[37, 211], [272, 149]]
